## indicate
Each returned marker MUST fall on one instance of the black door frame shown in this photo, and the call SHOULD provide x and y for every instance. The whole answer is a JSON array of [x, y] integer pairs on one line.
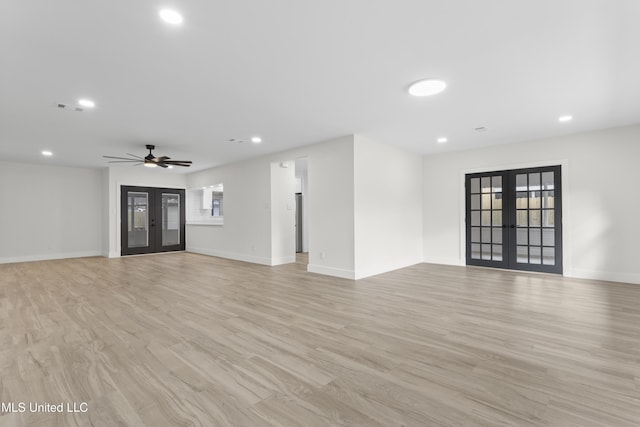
[[155, 218], [509, 220]]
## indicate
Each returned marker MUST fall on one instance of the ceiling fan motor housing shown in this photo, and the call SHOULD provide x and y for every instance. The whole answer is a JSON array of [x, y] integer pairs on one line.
[[150, 156]]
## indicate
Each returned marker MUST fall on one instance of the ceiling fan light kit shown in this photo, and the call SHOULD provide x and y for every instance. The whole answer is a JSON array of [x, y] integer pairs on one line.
[[149, 160]]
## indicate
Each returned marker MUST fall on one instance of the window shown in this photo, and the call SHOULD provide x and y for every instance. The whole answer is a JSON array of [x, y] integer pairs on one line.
[[216, 203], [205, 205]]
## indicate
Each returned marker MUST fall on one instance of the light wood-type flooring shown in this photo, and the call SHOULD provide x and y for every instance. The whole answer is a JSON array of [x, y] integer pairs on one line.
[[184, 339]]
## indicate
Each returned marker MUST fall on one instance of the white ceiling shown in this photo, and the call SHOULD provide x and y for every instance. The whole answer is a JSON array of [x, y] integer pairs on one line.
[[299, 72]]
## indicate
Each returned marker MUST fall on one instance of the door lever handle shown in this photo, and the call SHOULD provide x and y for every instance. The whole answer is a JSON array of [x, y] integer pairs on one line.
[[513, 226]]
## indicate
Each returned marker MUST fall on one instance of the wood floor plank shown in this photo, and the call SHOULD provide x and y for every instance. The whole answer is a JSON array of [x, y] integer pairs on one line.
[[185, 339]]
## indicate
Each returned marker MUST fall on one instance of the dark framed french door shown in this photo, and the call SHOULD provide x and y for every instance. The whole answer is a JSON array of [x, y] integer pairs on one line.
[[514, 219], [152, 220]]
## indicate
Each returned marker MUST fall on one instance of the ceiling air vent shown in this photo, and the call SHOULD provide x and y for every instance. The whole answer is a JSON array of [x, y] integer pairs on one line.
[[68, 107]]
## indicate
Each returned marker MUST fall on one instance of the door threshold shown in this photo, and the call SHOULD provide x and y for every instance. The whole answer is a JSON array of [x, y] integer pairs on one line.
[[543, 273], [153, 253]]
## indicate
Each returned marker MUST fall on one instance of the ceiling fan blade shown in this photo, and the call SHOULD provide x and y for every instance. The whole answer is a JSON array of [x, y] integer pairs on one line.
[[149, 159], [124, 161], [174, 162], [119, 158]]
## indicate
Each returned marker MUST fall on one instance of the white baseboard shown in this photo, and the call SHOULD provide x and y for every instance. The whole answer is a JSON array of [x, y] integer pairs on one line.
[[283, 260], [444, 261], [46, 257], [330, 271], [607, 276], [380, 269], [229, 255]]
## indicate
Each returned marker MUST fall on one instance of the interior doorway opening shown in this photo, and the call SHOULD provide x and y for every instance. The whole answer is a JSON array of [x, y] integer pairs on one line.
[[302, 207]]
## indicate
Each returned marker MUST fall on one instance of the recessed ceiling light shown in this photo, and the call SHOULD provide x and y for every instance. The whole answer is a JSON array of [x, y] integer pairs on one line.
[[256, 140], [427, 87], [170, 16], [442, 140], [86, 103], [565, 118], [47, 153]]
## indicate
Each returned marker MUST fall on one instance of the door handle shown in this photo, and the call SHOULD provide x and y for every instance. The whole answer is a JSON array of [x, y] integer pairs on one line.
[[513, 226]]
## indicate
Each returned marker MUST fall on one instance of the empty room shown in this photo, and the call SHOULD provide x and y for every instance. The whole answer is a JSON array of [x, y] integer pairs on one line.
[[319, 213]]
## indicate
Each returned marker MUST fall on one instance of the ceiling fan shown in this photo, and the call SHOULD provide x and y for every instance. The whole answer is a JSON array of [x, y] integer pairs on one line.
[[149, 160]]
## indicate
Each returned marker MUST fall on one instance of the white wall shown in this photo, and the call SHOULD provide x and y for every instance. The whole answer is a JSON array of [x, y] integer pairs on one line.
[[247, 231], [331, 208], [600, 202], [245, 234], [117, 176], [364, 209], [388, 208], [363, 199], [49, 212]]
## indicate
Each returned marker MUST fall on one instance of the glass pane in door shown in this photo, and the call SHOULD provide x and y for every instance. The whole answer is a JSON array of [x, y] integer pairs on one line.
[[486, 221], [138, 219], [538, 244], [548, 235], [170, 219]]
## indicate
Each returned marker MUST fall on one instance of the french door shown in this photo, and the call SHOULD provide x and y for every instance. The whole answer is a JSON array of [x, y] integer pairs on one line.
[[153, 220], [514, 219]]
